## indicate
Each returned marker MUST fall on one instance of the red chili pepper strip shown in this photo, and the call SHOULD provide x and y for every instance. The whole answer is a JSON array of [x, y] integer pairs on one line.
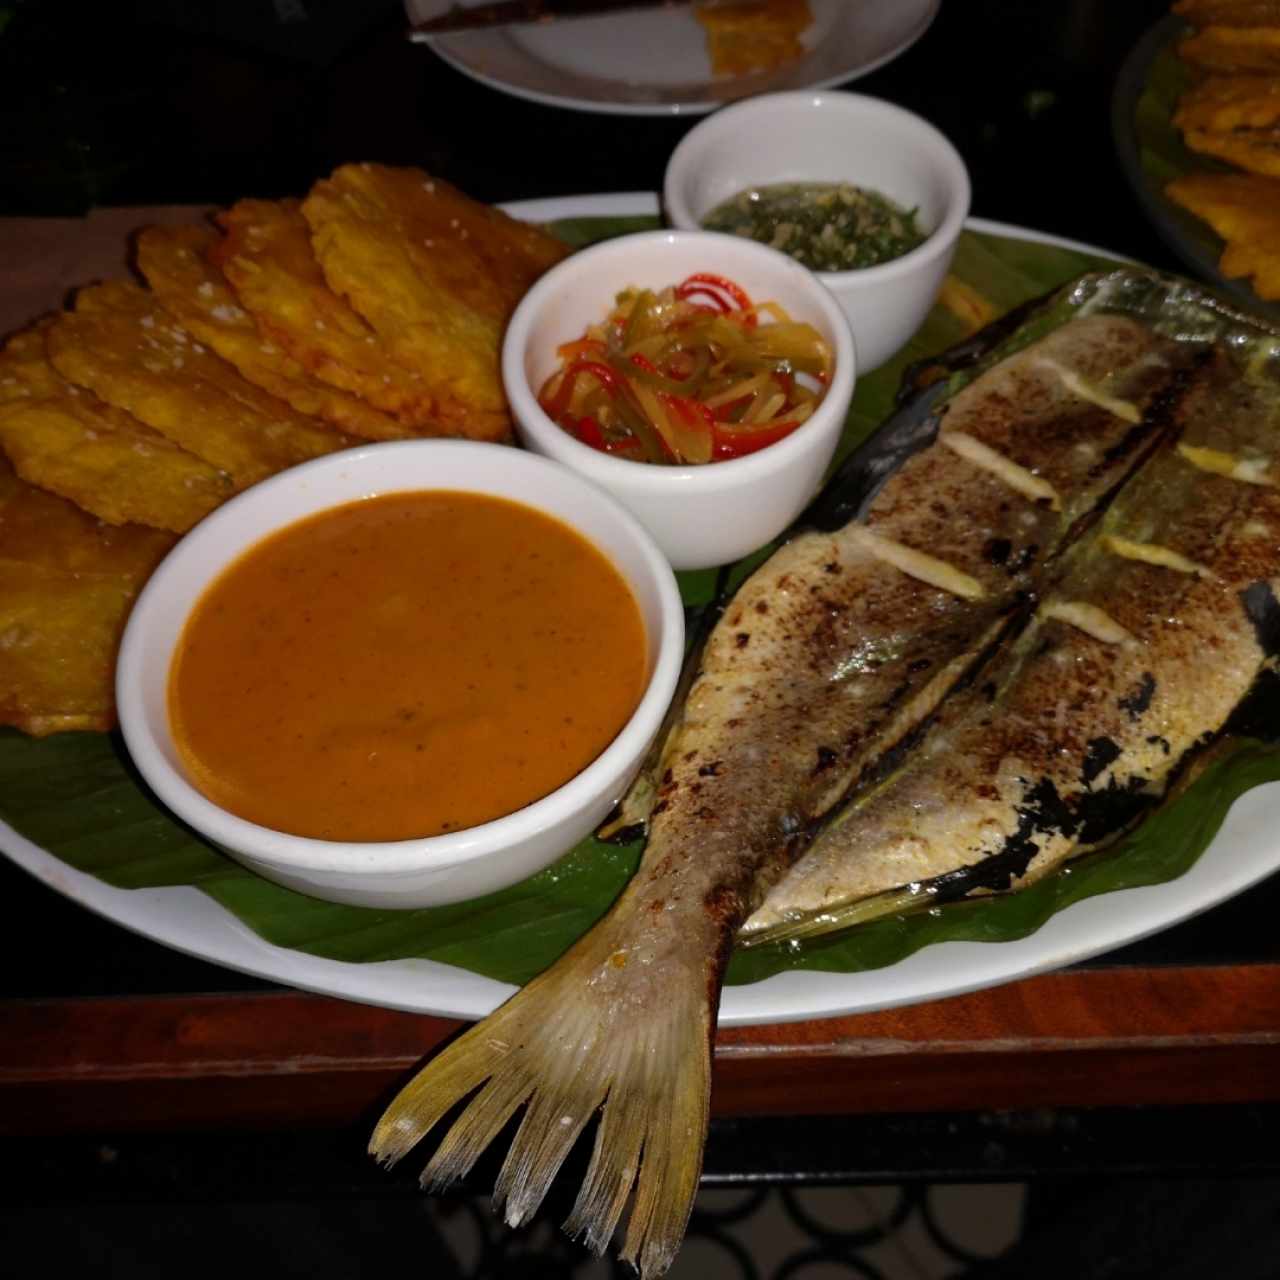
[[694, 411], [736, 442], [556, 406], [736, 292], [589, 432], [687, 292], [630, 446], [695, 441], [597, 370]]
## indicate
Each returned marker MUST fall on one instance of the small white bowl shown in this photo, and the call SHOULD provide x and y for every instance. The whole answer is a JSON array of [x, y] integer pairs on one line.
[[436, 869], [836, 137], [716, 512]]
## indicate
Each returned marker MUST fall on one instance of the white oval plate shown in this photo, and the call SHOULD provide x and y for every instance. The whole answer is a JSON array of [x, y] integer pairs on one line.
[[1245, 851], [654, 61]]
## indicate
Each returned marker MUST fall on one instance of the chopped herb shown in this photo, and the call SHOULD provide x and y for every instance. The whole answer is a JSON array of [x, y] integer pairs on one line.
[[827, 226]]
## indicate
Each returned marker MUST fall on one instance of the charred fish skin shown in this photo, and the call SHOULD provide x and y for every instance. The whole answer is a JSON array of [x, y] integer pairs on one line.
[[892, 607], [827, 657], [1150, 638], [887, 614]]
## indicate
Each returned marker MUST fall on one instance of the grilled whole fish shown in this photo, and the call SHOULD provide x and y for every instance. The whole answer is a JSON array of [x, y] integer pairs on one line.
[[1153, 633], [830, 656]]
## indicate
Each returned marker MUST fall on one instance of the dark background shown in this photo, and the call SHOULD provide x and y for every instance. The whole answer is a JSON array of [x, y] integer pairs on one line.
[[160, 101]]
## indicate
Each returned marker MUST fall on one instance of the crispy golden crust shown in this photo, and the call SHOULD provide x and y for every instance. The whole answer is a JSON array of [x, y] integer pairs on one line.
[[126, 349], [69, 442], [1245, 211], [1254, 150], [1229, 13], [175, 262], [1222, 48], [266, 256], [1222, 103], [436, 275], [747, 38], [66, 584]]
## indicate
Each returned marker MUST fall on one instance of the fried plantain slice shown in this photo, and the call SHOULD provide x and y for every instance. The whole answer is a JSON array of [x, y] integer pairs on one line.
[[1254, 150], [1222, 103], [435, 274], [67, 582], [69, 442], [122, 346], [1229, 13], [1245, 211], [753, 36], [1223, 48], [194, 292], [266, 257]]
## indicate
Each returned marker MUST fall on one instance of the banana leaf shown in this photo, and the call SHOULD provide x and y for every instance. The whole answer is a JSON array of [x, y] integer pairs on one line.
[[77, 796]]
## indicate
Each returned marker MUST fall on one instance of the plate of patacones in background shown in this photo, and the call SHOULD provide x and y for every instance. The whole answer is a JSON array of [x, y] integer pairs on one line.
[[1197, 125], [682, 59]]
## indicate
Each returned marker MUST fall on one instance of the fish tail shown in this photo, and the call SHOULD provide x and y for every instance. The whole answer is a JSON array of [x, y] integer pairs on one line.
[[579, 1039]]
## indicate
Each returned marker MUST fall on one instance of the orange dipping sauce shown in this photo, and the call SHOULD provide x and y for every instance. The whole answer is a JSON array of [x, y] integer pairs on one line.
[[405, 666]]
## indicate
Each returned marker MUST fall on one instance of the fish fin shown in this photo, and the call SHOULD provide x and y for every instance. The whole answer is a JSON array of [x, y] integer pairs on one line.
[[643, 1063]]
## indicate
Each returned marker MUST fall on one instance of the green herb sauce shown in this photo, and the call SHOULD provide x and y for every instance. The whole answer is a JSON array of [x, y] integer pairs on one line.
[[827, 226]]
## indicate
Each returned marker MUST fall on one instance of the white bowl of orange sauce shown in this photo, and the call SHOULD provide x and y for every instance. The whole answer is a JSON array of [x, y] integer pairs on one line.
[[403, 675]]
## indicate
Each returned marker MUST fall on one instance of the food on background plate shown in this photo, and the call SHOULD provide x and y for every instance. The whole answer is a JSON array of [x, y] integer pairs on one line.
[[692, 373], [1231, 112], [123, 346], [824, 672], [1075, 732], [67, 581], [1229, 13], [65, 440], [1223, 48], [1245, 211], [405, 666], [435, 275], [1236, 119], [1255, 150], [1222, 104], [175, 262], [746, 37], [164, 402], [826, 226]]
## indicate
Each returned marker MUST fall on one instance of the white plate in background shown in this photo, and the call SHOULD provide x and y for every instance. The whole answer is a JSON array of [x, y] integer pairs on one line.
[[654, 61]]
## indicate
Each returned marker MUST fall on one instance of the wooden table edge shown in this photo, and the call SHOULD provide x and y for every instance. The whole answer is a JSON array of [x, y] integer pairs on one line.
[[1086, 1037]]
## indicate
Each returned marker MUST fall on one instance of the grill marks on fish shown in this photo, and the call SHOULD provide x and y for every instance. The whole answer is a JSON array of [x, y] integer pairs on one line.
[[1017, 478], [845, 657], [1092, 619], [1087, 727], [1078, 385], [1153, 553]]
